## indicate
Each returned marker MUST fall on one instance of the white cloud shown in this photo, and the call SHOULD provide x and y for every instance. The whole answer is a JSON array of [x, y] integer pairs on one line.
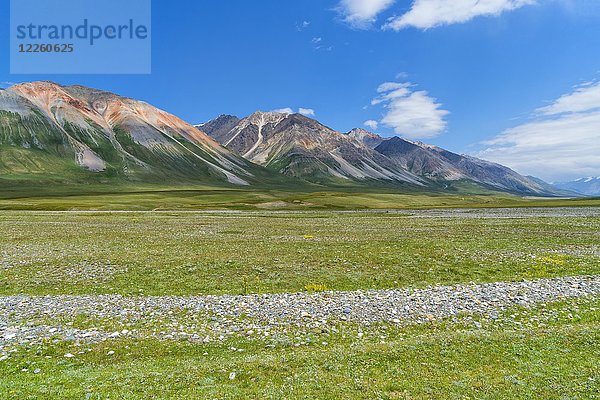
[[302, 25], [286, 110], [562, 142], [584, 98], [362, 13], [388, 86], [412, 114], [319, 45], [372, 124], [309, 112], [425, 14], [6, 85], [324, 48]]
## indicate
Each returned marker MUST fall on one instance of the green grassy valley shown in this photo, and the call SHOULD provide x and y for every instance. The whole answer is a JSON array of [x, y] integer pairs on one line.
[[544, 349], [103, 194], [195, 253]]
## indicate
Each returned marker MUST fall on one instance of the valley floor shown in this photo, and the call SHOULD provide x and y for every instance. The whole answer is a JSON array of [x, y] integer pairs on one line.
[[127, 197], [466, 303]]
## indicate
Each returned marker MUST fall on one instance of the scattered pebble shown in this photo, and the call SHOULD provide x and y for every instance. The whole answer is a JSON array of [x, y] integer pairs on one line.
[[210, 318]]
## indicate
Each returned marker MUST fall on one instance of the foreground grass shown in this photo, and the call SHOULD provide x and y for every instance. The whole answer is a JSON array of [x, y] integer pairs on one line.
[[521, 357], [546, 353], [217, 253]]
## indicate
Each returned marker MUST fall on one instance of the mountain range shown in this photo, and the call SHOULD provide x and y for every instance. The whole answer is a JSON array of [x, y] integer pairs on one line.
[[298, 146], [75, 133], [589, 186], [301, 147]]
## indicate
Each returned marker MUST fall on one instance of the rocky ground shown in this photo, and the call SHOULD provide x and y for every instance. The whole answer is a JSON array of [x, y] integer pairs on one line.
[[29, 320]]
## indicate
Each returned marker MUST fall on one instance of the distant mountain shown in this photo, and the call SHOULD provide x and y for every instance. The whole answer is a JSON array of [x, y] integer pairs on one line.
[[441, 165], [553, 189], [420, 160], [298, 146], [48, 130], [586, 186]]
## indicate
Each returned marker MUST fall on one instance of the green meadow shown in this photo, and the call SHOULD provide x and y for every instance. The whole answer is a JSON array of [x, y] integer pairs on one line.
[[242, 252], [296, 242], [550, 352]]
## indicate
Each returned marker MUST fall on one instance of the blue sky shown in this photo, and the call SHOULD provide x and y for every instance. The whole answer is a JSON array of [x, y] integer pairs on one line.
[[514, 81]]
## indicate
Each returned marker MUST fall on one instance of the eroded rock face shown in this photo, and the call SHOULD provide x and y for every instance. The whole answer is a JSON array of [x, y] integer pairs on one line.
[[46, 128], [100, 106], [368, 138]]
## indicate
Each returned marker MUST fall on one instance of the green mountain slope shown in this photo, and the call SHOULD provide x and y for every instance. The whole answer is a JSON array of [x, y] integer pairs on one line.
[[74, 133]]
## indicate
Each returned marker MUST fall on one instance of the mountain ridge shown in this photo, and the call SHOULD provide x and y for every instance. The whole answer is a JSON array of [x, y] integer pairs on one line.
[[78, 133], [430, 165], [295, 145], [588, 186]]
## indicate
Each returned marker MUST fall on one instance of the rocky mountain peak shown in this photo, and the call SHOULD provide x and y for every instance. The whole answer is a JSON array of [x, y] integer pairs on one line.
[[370, 139]]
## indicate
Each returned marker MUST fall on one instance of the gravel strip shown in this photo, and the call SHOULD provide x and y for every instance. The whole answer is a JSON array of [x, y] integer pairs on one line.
[[508, 213], [25, 319], [475, 213]]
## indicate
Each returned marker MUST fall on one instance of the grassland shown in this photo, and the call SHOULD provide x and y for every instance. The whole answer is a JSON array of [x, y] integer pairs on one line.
[[195, 253], [117, 196], [549, 352]]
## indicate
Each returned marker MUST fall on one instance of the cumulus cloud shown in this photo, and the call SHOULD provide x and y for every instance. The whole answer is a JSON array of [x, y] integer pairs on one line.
[[412, 114], [562, 142], [425, 14], [309, 112], [372, 124], [286, 110], [362, 13]]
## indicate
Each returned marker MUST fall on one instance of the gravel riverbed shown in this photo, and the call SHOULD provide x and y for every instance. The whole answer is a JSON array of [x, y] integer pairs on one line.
[[28, 320]]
